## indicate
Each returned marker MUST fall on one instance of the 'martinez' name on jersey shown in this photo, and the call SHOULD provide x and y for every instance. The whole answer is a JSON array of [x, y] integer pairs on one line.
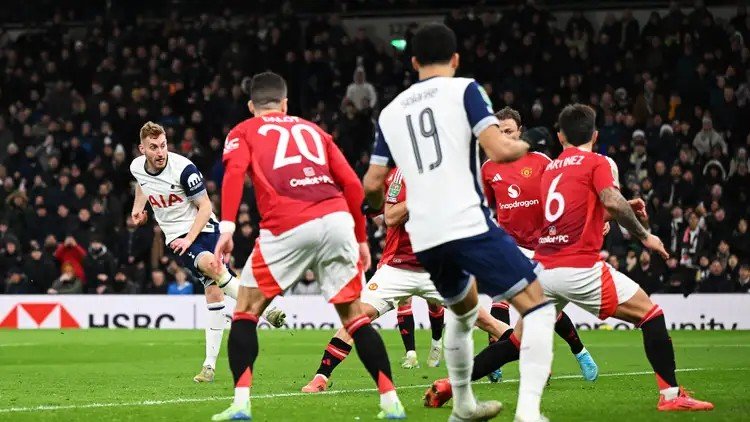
[[429, 130], [170, 193]]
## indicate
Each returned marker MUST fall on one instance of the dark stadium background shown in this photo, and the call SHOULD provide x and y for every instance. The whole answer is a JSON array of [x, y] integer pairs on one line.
[[79, 78]]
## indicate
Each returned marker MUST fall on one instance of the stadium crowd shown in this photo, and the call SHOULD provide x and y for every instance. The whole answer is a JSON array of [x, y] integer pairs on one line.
[[672, 96]]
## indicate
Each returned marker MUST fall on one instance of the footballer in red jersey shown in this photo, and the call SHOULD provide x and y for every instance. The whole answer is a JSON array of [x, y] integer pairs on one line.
[[514, 191], [399, 277], [309, 200], [580, 189]]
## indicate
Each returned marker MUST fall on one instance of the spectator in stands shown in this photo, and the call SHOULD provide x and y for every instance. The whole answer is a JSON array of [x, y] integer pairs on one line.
[[743, 281], [180, 285], [716, 281], [10, 255], [361, 93], [646, 275], [40, 269], [158, 284], [99, 266], [707, 138], [16, 283], [740, 242], [68, 282], [69, 252], [121, 284], [695, 241]]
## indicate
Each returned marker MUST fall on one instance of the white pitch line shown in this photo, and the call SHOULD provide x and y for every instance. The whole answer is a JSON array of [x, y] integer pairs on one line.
[[299, 394]]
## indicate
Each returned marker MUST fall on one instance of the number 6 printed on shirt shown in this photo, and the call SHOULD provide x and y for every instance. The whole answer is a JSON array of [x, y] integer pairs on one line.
[[281, 158], [553, 196]]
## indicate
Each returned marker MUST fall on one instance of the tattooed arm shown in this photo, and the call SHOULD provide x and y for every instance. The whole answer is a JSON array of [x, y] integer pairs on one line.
[[619, 208]]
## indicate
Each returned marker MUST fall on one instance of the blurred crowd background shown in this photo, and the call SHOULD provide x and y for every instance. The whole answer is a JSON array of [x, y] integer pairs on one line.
[[672, 95]]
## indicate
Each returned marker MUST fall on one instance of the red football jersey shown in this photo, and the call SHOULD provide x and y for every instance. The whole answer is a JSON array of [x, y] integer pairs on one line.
[[513, 189], [397, 252], [573, 229], [298, 172]]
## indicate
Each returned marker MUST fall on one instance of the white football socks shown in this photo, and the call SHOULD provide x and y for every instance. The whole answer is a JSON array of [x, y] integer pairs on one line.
[[215, 324], [229, 284], [241, 396], [535, 361], [458, 349], [670, 393]]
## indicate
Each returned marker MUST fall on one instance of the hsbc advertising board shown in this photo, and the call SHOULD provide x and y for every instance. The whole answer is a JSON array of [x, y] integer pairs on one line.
[[696, 312]]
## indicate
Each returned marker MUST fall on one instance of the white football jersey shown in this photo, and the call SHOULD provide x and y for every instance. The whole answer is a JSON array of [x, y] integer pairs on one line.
[[171, 193], [429, 131]]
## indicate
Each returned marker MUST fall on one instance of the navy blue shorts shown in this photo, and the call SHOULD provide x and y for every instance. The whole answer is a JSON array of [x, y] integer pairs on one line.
[[492, 257], [205, 242]]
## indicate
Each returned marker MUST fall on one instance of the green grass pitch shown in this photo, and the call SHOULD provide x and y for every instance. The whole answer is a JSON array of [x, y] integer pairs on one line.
[[147, 376]]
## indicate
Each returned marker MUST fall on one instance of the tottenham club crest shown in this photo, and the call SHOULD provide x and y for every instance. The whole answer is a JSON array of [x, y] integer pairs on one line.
[[526, 172]]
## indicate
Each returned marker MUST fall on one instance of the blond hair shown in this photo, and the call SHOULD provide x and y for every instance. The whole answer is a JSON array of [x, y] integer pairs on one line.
[[151, 130]]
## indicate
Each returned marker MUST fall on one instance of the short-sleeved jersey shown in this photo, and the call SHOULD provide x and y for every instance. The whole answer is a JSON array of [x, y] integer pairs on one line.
[[429, 131], [298, 173], [171, 193], [573, 233], [397, 252], [513, 190]]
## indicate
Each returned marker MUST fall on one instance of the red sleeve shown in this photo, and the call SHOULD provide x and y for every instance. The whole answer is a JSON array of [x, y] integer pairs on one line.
[[489, 193], [605, 174], [349, 183], [236, 160]]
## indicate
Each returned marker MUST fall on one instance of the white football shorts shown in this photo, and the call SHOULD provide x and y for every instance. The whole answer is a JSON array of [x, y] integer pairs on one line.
[[390, 285], [325, 245], [598, 290]]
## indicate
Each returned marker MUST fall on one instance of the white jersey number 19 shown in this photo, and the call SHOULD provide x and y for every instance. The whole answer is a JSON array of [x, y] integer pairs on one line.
[[427, 132]]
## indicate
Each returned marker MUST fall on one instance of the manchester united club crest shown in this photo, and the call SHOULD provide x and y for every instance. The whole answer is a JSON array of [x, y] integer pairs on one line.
[[526, 172], [372, 286]]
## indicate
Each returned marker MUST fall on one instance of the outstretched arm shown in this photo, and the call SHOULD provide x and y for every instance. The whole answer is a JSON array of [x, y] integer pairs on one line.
[[622, 212]]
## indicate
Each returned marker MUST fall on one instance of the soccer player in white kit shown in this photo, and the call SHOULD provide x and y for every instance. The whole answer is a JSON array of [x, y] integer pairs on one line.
[[430, 132], [174, 187]]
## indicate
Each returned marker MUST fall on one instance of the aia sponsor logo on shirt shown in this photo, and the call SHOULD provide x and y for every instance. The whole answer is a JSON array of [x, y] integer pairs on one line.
[[159, 201]]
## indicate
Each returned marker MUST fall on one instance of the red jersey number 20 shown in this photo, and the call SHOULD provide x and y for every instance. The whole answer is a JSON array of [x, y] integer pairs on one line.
[[281, 158]]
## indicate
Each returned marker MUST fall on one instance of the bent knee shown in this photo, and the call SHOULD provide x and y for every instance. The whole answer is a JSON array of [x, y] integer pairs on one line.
[[208, 265]]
